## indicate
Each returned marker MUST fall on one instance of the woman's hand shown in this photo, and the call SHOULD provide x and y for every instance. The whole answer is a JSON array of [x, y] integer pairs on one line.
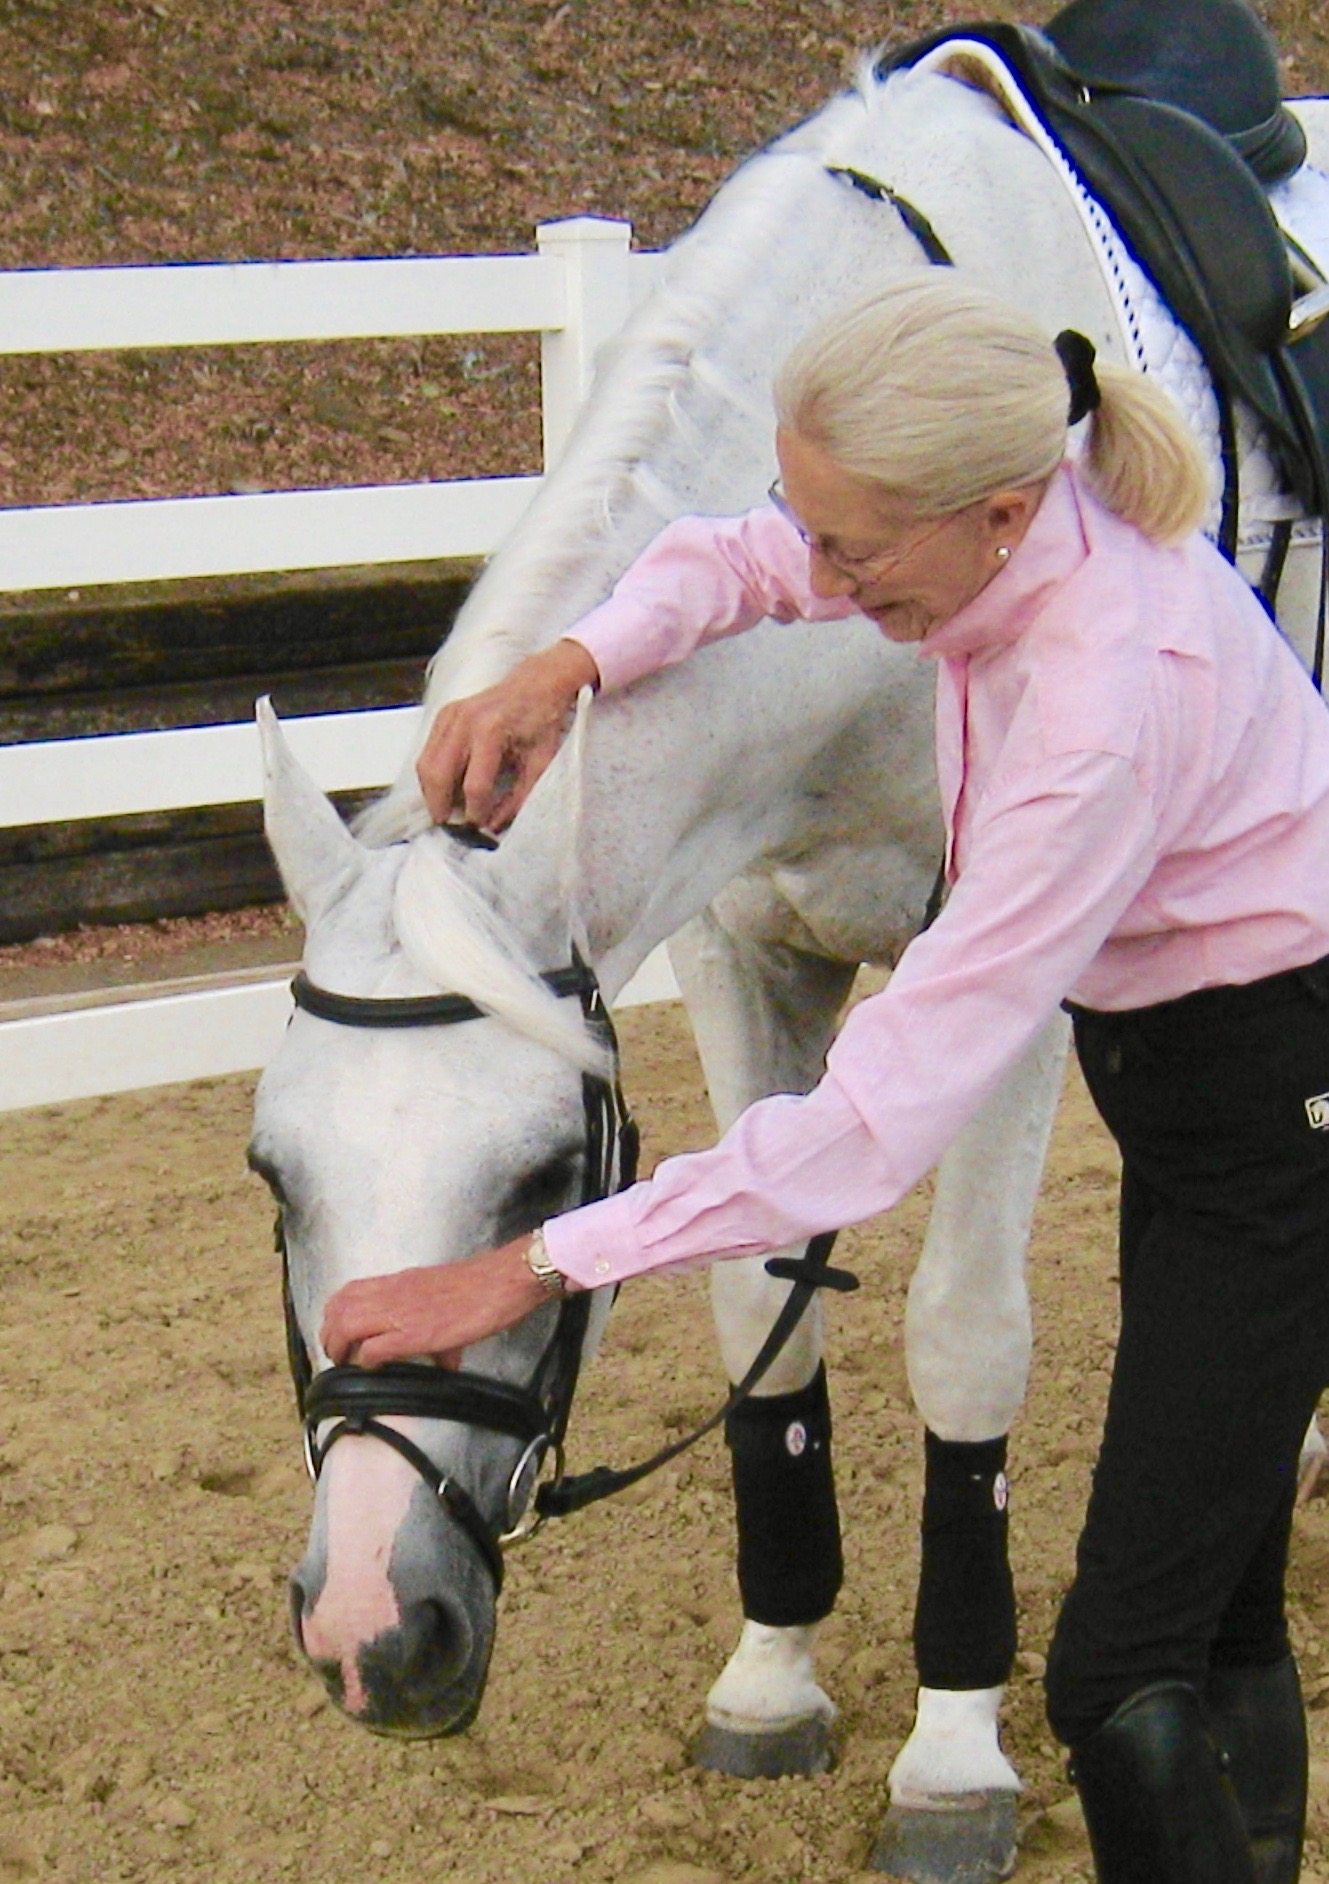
[[436, 1312], [485, 753]]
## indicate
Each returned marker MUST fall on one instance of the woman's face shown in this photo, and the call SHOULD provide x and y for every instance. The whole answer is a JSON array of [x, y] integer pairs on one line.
[[908, 573]]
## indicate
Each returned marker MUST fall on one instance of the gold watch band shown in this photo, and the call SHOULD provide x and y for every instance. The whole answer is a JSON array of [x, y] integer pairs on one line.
[[536, 1258]]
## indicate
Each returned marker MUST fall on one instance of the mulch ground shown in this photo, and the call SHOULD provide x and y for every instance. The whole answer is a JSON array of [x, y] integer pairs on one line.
[[143, 131]]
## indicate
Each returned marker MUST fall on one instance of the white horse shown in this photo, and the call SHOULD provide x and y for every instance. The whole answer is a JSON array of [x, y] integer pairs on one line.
[[771, 807]]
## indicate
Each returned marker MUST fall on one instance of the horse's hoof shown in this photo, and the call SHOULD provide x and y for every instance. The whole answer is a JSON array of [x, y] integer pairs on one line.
[[801, 1748], [968, 1838]]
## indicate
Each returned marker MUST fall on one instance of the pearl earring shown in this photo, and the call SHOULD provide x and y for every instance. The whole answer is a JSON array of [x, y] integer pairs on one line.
[[1003, 554]]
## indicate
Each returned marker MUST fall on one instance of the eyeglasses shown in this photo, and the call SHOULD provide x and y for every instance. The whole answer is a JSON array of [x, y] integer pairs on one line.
[[858, 568]]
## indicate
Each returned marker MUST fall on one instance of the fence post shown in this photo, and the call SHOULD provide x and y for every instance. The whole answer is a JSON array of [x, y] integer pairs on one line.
[[594, 253]]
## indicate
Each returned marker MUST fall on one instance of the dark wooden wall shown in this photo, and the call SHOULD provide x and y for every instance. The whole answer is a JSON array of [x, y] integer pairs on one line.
[[192, 654]]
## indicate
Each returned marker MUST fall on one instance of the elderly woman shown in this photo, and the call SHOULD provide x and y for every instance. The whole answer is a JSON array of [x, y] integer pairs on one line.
[[1135, 776]]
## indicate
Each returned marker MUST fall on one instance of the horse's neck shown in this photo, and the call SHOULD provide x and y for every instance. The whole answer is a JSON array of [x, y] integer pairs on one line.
[[744, 752], [680, 418]]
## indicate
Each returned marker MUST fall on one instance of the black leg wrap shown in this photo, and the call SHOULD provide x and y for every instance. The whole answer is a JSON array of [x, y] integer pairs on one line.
[[789, 1563], [964, 1621], [1256, 1715], [1157, 1801]]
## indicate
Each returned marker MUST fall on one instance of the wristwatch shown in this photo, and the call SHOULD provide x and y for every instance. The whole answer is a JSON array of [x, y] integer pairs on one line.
[[536, 1258]]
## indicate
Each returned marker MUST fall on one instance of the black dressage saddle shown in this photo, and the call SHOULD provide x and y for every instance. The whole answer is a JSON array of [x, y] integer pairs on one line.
[[1170, 113]]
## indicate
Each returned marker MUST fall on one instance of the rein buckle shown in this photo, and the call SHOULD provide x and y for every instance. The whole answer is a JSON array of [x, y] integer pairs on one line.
[[531, 1519]]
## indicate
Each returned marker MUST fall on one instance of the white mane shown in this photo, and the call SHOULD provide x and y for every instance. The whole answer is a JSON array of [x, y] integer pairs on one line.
[[450, 934], [557, 564]]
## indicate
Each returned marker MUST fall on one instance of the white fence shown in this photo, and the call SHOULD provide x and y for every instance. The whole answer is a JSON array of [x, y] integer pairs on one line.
[[575, 291]]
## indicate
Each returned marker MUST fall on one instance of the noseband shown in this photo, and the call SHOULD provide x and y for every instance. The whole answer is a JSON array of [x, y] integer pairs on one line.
[[356, 1398]]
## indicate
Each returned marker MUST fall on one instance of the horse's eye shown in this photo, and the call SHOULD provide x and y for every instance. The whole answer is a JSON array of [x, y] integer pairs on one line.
[[542, 1193]]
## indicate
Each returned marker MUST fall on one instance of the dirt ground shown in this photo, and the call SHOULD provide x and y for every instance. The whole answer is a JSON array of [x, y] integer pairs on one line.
[[154, 1720]]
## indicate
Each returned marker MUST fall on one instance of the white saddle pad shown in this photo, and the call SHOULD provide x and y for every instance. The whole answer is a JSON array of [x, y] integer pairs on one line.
[[1154, 341]]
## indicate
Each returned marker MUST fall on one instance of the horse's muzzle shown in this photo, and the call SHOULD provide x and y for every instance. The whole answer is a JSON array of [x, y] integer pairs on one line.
[[422, 1678]]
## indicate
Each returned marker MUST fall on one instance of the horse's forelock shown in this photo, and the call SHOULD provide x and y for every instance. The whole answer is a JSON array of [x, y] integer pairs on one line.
[[449, 932]]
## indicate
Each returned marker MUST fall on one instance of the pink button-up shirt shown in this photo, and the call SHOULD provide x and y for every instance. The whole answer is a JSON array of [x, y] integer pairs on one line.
[[1134, 773]]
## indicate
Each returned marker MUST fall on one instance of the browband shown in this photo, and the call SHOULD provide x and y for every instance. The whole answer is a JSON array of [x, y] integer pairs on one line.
[[418, 1010]]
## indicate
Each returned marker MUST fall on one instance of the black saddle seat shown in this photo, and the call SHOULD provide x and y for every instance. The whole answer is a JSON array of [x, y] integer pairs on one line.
[[1212, 58]]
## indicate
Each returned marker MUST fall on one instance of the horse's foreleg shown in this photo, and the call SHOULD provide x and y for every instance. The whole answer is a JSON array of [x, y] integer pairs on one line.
[[763, 1017], [967, 1343]]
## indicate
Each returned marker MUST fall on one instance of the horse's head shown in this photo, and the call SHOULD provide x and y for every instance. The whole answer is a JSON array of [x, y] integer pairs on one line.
[[390, 1146]]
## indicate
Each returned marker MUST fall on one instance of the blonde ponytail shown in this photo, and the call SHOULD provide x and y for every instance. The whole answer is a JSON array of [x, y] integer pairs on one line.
[[1142, 460], [944, 395]]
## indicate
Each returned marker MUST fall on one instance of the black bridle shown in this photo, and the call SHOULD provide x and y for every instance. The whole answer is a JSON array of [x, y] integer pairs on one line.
[[356, 1398]]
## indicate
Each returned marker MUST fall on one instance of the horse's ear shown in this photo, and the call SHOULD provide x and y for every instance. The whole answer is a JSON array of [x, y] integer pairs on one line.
[[314, 851]]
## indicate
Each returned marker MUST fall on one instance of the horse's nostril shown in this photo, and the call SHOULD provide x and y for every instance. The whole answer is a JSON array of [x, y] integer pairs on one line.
[[414, 1666], [434, 1644], [408, 1671]]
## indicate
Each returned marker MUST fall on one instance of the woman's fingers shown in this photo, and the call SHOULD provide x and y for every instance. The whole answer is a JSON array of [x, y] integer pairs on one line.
[[399, 1312], [485, 753], [381, 1350], [494, 745], [444, 758], [469, 744], [520, 772], [436, 1312], [354, 1314]]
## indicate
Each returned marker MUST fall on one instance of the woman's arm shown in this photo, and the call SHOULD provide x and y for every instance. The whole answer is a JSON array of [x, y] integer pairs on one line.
[[1050, 875], [701, 579]]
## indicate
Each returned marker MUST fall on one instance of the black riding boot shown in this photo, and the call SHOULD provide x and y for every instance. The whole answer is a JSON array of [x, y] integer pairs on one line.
[[1157, 1801], [1257, 1717]]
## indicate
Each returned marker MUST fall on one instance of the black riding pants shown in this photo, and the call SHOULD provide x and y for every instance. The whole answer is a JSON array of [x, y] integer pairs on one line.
[[1220, 1104]]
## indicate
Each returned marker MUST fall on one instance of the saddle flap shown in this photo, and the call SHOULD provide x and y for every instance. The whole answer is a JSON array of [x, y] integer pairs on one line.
[[1183, 201], [1196, 199]]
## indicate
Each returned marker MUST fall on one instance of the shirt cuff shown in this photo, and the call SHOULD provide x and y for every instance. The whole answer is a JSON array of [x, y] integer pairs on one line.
[[623, 639], [786, 1169], [596, 1246]]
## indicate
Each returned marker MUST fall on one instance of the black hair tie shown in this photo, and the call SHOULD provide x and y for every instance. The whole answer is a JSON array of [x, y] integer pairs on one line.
[[1077, 356]]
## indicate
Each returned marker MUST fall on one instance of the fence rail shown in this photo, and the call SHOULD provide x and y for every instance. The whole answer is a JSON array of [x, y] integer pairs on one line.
[[200, 1029], [576, 291], [72, 310], [80, 546], [124, 774]]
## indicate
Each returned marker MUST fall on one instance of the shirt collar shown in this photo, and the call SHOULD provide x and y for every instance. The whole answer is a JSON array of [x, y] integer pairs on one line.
[[1051, 550]]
